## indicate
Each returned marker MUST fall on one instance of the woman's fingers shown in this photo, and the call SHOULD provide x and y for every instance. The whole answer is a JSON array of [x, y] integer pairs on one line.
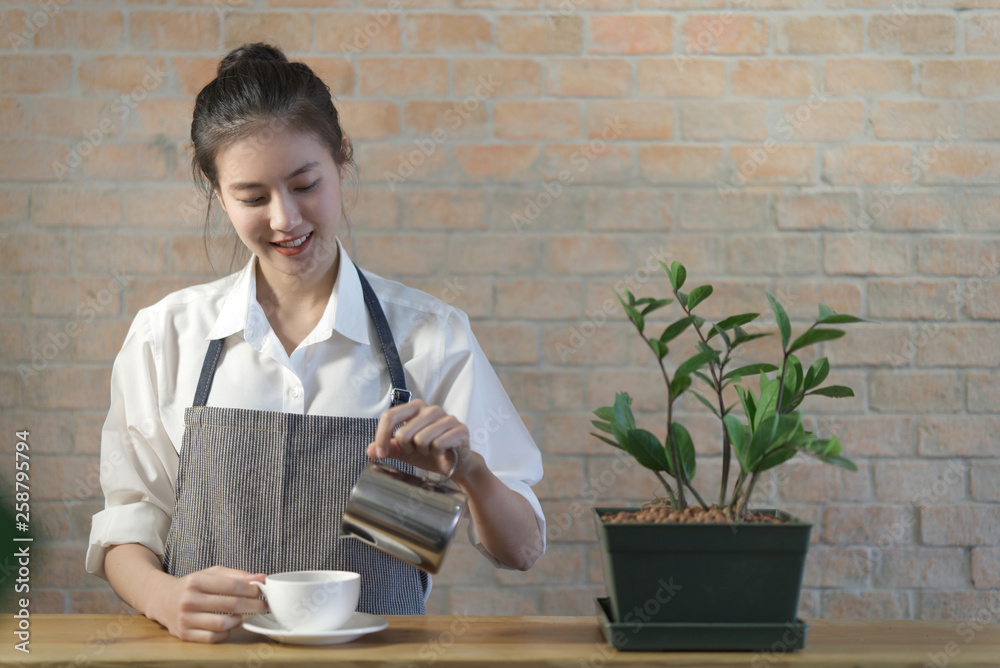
[[387, 422]]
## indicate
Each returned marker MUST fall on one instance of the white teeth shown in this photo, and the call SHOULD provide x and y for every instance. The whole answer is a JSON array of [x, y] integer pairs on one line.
[[293, 244]]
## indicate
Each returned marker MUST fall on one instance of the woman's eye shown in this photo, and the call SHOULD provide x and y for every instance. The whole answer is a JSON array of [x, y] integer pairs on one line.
[[310, 186], [252, 202]]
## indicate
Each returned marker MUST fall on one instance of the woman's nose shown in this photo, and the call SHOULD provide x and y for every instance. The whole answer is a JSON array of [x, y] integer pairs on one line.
[[284, 212]]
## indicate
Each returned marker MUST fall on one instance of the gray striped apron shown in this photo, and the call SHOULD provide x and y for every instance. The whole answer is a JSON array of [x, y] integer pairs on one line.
[[263, 491]]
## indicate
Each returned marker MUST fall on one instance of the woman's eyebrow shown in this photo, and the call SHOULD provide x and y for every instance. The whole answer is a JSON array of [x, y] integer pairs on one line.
[[248, 186]]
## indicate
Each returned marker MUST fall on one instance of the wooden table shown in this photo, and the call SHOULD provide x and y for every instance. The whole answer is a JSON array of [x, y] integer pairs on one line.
[[570, 642]]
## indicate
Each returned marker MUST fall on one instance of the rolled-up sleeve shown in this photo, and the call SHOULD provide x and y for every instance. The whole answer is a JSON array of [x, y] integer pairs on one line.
[[469, 389], [138, 459]]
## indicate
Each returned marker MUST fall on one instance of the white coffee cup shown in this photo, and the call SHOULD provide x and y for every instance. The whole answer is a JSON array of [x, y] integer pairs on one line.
[[312, 601]]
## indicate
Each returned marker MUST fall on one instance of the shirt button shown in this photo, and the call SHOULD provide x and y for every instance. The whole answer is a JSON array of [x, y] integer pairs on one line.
[[294, 393]]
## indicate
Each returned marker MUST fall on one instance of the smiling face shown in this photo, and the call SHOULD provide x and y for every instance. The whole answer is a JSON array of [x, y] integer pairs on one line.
[[282, 191]]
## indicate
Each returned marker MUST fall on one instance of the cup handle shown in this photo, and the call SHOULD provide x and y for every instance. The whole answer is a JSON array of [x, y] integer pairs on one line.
[[261, 586], [453, 467]]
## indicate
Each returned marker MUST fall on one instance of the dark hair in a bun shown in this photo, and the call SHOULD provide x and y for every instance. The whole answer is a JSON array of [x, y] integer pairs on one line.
[[255, 91]]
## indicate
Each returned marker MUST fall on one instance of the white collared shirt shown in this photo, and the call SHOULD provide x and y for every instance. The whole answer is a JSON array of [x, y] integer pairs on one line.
[[334, 371]]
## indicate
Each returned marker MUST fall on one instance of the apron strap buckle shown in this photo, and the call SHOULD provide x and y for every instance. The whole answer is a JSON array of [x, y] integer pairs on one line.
[[400, 396]]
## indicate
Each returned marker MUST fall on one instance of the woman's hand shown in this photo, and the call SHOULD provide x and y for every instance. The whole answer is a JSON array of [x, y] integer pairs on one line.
[[424, 439], [189, 606]]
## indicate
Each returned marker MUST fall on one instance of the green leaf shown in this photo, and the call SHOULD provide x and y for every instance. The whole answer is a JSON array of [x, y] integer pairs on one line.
[[738, 437], [659, 348], [704, 378], [733, 321], [817, 373], [608, 441], [743, 338], [698, 322], [677, 274], [767, 402], [774, 432], [623, 410], [750, 370], [656, 304], [843, 462], [708, 403], [695, 362], [722, 335], [749, 403], [647, 450], [838, 318], [698, 295], [825, 311], [815, 336], [682, 298], [781, 318], [635, 317], [835, 391], [674, 330], [680, 383], [774, 457], [685, 450], [631, 297], [603, 426], [606, 413]]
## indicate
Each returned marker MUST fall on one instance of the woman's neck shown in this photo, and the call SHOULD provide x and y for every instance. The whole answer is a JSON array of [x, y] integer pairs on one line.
[[294, 304]]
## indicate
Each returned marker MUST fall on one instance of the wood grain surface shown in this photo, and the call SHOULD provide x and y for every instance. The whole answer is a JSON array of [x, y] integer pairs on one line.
[[133, 640]]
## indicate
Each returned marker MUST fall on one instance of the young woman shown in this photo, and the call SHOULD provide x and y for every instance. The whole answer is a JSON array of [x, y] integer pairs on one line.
[[243, 410]]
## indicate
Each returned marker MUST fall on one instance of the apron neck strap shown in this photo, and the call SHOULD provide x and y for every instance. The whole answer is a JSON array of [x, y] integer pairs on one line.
[[398, 391]]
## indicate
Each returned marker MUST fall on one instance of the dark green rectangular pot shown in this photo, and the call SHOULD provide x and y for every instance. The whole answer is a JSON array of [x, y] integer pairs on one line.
[[703, 573]]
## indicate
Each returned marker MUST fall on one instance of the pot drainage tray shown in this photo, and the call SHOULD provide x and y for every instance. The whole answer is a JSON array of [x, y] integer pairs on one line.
[[644, 636]]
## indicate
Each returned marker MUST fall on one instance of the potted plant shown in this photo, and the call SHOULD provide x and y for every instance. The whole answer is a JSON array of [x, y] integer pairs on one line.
[[684, 573]]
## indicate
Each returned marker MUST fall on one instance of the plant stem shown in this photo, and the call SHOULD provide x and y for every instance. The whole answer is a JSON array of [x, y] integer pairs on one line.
[[746, 499], [737, 489], [678, 473], [670, 492], [697, 495], [726, 446]]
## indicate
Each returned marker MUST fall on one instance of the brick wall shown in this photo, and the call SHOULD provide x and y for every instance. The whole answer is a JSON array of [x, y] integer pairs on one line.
[[541, 152]]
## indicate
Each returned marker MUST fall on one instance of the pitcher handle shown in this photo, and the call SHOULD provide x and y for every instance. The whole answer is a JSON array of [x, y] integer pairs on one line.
[[454, 466]]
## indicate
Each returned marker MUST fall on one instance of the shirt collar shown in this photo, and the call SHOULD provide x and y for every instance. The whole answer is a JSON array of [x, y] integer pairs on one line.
[[345, 311]]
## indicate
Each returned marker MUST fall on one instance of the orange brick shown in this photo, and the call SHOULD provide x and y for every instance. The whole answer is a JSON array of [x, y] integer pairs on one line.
[[492, 254], [871, 436], [872, 345], [515, 77], [958, 257], [985, 481], [69, 29], [588, 77], [976, 163], [817, 211], [401, 254], [496, 4], [916, 567], [773, 163], [868, 164], [14, 27], [76, 117], [962, 525], [545, 390], [33, 160], [912, 33], [404, 77], [35, 74], [174, 30], [358, 32], [724, 33], [292, 30], [444, 210], [821, 120], [597, 161], [819, 34], [865, 254], [447, 32], [982, 120], [860, 76], [337, 73], [981, 33], [865, 605], [194, 73], [631, 34], [813, 481], [914, 212], [772, 255], [593, 254], [713, 121], [959, 78], [586, 339], [980, 212], [908, 299], [983, 392], [74, 205], [13, 204], [508, 343], [78, 297], [453, 119], [99, 341], [739, 211], [136, 75], [166, 117], [681, 77], [481, 163], [490, 601], [188, 255], [362, 119], [881, 525], [68, 388], [673, 164], [637, 119], [650, 210], [959, 436], [802, 297], [959, 345], [99, 252], [167, 207], [986, 568], [773, 77], [913, 120], [920, 482], [392, 165], [520, 298], [915, 392], [539, 34], [13, 117], [128, 161], [536, 120], [982, 299], [547, 208]]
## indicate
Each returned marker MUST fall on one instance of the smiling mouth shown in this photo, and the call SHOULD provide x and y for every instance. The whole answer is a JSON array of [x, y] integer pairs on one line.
[[295, 243]]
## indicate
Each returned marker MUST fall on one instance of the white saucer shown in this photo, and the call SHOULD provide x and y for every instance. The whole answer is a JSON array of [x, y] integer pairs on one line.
[[361, 623]]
